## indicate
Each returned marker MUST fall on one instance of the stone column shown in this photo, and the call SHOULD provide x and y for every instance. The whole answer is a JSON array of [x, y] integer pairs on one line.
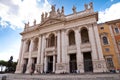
[[66, 56], [58, 47], [94, 53], [42, 53], [39, 50], [45, 64], [78, 54], [30, 59], [18, 70], [39, 53], [64, 50], [63, 46], [54, 63]]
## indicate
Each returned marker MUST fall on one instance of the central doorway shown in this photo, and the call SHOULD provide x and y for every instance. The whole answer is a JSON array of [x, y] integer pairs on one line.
[[73, 63], [50, 64], [25, 65], [88, 66]]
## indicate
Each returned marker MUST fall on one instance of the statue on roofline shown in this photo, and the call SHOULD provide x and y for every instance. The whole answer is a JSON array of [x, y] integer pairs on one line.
[[91, 5], [74, 9], [62, 11], [86, 6], [34, 22], [42, 17]]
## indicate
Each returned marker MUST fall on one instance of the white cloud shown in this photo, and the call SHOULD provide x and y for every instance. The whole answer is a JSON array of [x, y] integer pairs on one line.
[[110, 13], [17, 12], [111, 0], [12, 50]]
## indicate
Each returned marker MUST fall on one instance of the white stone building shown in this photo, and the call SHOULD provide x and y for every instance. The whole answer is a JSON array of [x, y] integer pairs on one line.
[[62, 43]]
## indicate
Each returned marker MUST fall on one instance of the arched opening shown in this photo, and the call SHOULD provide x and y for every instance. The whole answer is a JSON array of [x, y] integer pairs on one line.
[[35, 44], [71, 36], [27, 45], [84, 35], [51, 40], [105, 40]]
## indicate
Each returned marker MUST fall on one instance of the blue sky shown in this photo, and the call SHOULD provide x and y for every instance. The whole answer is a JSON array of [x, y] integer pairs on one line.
[[14, 13]]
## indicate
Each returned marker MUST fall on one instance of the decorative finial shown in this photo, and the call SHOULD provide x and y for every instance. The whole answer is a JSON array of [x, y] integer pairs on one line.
[[74, 9], [58, 12], [28, 23], [46, 14], [42, 17], [34, 22]]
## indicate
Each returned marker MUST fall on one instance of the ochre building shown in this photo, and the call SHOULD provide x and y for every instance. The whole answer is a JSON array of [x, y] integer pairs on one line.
[[109, 47], [110, 42], [62, 43]]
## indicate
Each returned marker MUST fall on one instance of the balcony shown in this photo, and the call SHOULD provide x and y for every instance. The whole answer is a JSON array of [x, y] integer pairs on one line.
[[34, 53], [26, 55], [72, 49], [50, 49], [85, 47]]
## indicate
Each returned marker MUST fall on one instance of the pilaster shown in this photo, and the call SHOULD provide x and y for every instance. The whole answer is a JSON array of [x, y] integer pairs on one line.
[[38, 54], [42, 53], [58, 47]]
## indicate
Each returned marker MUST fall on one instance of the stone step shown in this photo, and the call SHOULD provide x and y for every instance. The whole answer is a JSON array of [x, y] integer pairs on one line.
[[63, 77]]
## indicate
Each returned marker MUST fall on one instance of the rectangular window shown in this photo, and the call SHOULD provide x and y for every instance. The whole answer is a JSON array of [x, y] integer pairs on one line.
[[116, 30], [107, 50]]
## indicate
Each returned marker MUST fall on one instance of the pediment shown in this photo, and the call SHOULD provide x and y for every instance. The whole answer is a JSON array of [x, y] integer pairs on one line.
[[51, 21]]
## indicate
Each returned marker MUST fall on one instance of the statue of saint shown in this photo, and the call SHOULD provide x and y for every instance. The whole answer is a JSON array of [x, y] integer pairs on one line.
[[34, 22], [91, 5], [74, 9], [53, 8], [42, 17], [62, 11], [86, 6]]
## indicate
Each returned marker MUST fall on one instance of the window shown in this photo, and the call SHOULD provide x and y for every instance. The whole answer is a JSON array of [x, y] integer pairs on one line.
[[27, 46], [116, 30], [84, 35], [107, 50], [102, 28], [51, 40], [71, 38], [105, 40], [35, 44]]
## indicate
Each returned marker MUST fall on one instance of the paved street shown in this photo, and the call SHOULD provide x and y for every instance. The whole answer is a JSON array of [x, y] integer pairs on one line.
[[62, 77]]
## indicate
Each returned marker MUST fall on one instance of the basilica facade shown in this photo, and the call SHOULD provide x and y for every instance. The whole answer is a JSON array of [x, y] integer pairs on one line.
[[62, 43]]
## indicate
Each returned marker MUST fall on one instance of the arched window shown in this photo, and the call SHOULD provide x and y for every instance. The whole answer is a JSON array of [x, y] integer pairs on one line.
[[27, 45], [35, 44], [105, 40], [84, 35], [71, 38], [51, 40]]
